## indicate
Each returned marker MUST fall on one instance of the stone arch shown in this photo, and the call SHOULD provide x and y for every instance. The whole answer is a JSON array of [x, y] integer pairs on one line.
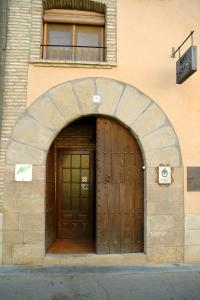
[[66, 102], [59, 106]]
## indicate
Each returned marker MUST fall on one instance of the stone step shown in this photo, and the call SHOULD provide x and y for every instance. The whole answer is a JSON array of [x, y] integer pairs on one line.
[[93, 259]]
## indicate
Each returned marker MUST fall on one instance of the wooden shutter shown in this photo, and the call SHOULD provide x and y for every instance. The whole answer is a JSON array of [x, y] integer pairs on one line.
[[73, 17]]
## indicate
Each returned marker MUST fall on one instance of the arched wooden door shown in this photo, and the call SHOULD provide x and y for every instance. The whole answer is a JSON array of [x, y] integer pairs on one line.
[[112, 198], [119, 194]]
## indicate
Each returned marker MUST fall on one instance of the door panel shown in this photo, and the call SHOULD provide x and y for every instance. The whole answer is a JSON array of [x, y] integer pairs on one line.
[[120, 204], [75, 205]]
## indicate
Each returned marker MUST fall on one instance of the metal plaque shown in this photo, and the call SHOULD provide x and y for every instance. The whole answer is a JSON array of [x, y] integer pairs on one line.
[[23, 172], [186, 65], [193, 178], [165, 175]]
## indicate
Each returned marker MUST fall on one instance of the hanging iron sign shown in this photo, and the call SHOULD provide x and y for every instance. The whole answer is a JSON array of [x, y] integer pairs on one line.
[[186, 65]]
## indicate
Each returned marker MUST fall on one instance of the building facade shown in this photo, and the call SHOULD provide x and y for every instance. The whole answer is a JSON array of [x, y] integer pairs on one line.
[[92, 113]]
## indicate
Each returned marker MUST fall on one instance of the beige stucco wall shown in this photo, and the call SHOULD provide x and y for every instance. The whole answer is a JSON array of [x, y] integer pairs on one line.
[[146, 32]]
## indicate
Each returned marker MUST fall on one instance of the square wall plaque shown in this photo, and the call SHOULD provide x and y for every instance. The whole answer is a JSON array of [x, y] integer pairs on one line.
[[193, 179]]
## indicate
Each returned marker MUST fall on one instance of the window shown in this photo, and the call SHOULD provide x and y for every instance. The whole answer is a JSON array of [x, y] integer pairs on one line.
[[73, 35]]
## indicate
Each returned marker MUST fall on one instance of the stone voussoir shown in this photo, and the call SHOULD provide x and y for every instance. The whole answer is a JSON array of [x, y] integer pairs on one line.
[[30, 132], [22, 153], [84, 90], [45, 112], [151, 119], [131, 105], [169, 155], [110, 92], [161, 138], [65, 100]]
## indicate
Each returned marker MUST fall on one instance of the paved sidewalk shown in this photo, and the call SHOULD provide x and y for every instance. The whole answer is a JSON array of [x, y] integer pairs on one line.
[[156, 282]]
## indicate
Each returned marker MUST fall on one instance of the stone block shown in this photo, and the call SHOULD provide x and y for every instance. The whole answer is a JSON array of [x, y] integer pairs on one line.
[[31, 222], [46, 113], [192, 253], [179, 220], [131, 105], [1, 254], [150, 120], [10, 221], [32, 133], [1, 221], [162, 254], [175, 238], [11, 205], [110, 92], [64, 99], [160, 222], [9, 173], [12, 236], [30, 205], [19, 153], [39, 172], [7, 254], [31, 254], [157, 238], [168, 155], [178, 176], [180, 254], [33, 237], [151, 176], [11, 190], [172, 193], [165, 207], [192, 221], [85, 89], [34, 189], [192, 237], [160, 138]]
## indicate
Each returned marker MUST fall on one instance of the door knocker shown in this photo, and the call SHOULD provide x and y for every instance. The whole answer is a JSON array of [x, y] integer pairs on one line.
[[108, 178]]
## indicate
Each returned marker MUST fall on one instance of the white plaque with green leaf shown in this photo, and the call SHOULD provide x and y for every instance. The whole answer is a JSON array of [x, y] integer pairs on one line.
[[23, 172]]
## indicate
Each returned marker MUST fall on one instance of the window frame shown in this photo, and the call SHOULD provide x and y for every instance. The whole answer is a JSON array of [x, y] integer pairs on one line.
[[75, 18]]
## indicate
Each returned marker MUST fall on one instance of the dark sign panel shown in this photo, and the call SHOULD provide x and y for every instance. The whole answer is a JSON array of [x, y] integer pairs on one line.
[[186, 65], [193, 178]]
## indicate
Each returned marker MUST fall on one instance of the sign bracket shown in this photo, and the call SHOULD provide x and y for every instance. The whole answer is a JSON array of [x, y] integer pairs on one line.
[[178, 49]]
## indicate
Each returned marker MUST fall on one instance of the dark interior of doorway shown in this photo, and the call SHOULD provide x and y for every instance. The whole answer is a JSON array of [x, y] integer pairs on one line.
[[76, 141]]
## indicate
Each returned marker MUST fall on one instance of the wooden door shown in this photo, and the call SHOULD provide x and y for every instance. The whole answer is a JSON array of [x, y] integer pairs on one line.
[[50, 213], [75, 194], [120, 204]]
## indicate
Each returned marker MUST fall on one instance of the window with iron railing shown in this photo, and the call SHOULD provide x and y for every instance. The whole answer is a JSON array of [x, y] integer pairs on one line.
[[73, 36]]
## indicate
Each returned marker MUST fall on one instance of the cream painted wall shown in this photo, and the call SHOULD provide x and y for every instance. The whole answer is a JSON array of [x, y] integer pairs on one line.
[[146, 31]]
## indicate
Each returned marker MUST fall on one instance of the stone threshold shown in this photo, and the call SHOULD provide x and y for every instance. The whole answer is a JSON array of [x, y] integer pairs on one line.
[[94, 259], [72, 64]]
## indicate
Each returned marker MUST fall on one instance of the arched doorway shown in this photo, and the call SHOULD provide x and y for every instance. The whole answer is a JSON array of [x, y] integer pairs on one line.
[[94, 194], [56, 109]]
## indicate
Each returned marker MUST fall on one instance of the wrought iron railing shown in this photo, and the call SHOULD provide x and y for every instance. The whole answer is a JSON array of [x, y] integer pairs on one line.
[[73, 53]]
